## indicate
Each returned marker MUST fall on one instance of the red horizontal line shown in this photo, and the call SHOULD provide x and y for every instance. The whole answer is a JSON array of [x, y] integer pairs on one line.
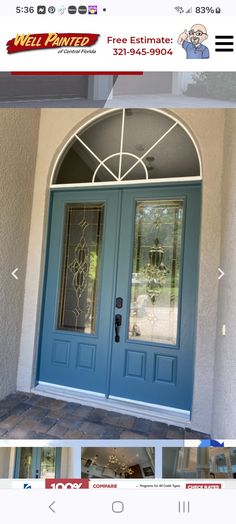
[[68, 73]]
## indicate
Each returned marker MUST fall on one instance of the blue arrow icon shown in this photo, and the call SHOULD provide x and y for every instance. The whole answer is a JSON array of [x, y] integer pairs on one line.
[[212, 443]]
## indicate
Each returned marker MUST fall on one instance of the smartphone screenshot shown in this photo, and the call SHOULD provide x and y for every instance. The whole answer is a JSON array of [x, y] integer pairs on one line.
[[117, 260]]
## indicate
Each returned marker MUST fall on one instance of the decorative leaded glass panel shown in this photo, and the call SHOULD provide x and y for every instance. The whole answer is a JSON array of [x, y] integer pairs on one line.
[[48, 463], [25, 463], [81, 267], [156, 271]]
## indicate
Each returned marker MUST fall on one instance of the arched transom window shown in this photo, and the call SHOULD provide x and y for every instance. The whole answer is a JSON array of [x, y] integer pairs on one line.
[[129, 145]]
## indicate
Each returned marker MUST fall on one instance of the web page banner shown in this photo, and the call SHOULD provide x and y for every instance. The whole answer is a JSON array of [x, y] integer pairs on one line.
[[111, 44]]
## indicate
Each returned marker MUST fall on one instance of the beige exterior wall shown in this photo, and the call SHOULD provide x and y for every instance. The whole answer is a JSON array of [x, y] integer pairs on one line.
[[5, 455], [224, 412], [70, 462], [207, 127], [18, 146]]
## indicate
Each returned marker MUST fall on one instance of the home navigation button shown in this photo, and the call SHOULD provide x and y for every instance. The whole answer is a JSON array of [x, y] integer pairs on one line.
[[117, 506]]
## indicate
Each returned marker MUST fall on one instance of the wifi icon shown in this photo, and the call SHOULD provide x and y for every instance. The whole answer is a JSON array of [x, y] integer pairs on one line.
[[179, 9]]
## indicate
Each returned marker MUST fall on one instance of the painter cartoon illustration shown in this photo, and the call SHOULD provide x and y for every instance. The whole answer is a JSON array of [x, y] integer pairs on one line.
[[192, 42]]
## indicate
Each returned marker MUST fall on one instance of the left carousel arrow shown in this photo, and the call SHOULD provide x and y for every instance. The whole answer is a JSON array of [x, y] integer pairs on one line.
[[14, 273], [51, 508]]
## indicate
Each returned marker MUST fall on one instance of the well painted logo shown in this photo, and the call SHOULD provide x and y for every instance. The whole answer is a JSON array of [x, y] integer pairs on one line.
[[32, 42]]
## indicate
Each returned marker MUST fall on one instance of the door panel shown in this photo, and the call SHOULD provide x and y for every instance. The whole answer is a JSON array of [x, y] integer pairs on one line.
[[148, 83], [23, 463], [14, 87], [138, 244], [158, 371], [77, 320]]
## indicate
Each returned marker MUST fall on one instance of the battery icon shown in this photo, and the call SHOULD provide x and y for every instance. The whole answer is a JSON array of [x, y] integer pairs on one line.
[[218, 10]]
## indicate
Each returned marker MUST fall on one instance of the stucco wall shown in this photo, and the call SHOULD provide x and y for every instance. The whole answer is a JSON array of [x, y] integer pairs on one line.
[[18, 144], [207, 126], [65, 471], [224, 412], [4, 462]]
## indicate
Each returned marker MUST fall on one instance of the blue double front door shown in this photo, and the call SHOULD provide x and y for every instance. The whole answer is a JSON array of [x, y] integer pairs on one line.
[[37, 463], [120, 295]]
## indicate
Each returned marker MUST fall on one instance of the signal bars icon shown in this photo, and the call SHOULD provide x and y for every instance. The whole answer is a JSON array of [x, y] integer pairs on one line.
[[181, 10]]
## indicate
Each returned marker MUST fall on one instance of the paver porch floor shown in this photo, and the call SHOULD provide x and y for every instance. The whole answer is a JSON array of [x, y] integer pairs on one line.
[[29, 416]]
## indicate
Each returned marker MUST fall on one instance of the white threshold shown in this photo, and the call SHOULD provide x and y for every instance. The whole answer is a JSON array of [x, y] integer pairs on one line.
[[155, 412]]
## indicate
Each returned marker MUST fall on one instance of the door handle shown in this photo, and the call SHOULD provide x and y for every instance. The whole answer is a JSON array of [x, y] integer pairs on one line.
[[118, 322]]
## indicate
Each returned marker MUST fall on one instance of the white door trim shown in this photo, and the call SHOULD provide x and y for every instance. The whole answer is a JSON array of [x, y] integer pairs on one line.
[[155, 412], [99, 86]]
